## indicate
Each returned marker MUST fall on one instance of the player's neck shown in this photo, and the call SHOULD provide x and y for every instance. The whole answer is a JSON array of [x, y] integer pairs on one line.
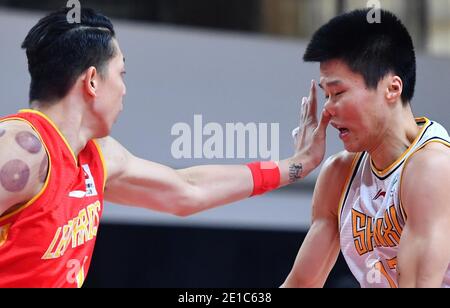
[[399, 135], [68, 118]]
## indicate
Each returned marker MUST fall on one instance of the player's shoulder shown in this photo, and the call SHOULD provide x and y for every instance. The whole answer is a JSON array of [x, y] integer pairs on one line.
[[434, 155], [111, 148], [436, 148], [331, 181], [23, 163], [339, 163], [18, 139], [423, 178], [115, 154], [431, 160], [15, 125]]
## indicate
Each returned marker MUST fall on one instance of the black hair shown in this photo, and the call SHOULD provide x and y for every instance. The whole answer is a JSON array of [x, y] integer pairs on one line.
[[370, 49], [59, 52]]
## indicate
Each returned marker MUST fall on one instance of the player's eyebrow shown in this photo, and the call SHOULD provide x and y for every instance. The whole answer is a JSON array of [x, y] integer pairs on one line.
[[330, 84]]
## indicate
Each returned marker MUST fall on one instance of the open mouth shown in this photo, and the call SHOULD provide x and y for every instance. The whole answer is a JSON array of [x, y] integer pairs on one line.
[[343, 131]]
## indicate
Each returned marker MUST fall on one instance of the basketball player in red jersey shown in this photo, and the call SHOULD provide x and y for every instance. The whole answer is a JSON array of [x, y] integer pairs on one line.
[[58, 164]]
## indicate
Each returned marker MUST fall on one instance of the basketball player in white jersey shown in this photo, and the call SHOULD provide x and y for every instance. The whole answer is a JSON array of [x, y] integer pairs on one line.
[[384, 201]]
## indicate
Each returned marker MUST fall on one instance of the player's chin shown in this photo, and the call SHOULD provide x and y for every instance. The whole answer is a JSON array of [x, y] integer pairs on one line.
[[103, 134], [116, 118], [104, 130], [353, 148]]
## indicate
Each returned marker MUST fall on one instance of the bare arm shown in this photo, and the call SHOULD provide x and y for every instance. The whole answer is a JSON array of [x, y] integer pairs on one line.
[[23, 165], [424, 252], [142, 183], [320, 249]]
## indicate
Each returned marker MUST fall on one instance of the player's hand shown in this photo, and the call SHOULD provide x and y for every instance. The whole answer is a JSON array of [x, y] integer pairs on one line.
[[310, 136]]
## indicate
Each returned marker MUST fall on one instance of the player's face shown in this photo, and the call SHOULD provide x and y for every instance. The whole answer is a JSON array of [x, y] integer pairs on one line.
[[358, 113], [112, 89]]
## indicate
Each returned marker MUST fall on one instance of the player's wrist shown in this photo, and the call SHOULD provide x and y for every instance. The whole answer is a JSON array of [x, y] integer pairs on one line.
[[266, 176]]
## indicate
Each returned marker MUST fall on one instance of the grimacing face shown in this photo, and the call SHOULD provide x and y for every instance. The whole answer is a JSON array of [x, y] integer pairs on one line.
[[360, 114], [111, 91]]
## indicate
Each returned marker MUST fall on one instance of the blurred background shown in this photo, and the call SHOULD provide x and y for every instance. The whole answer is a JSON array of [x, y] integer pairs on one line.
[[230, 61]]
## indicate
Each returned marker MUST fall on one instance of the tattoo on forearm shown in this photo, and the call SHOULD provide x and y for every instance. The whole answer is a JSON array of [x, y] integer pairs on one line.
[[2, 132], [14, 175], [295, 172]]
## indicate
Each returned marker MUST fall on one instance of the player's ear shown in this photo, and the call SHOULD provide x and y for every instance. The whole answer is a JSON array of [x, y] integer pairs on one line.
[[90, 81], [394, 89]]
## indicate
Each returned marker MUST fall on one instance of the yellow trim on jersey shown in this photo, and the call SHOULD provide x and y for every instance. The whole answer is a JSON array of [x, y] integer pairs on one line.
[[347, 186], [41, 192], [56, 128], [402, 209], [80, 277], [102, 158], [382, 173], [4, 231]]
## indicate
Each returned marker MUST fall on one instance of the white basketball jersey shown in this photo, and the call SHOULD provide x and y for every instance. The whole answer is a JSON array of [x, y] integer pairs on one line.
[[371, 217]]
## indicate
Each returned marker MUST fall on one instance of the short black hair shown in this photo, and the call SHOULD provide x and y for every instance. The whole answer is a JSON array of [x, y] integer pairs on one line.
[[370, 49], [59, 52]]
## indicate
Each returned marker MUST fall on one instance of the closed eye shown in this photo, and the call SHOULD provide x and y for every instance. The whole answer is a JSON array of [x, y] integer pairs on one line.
[[337, 94]]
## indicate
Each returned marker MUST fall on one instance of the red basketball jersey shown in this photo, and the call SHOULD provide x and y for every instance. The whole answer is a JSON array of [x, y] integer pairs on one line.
[[49, 241]]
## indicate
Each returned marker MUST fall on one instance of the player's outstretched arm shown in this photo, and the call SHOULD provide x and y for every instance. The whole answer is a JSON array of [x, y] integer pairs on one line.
[[139, 182], [320, 249], [23, 165], [424, 252]]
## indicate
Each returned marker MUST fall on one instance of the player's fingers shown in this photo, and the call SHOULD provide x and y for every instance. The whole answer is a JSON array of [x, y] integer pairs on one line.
[[313, 100], [304, 109]]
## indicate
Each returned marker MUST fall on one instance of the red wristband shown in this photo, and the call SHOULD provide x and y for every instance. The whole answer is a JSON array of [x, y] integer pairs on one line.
[[266, 177]]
